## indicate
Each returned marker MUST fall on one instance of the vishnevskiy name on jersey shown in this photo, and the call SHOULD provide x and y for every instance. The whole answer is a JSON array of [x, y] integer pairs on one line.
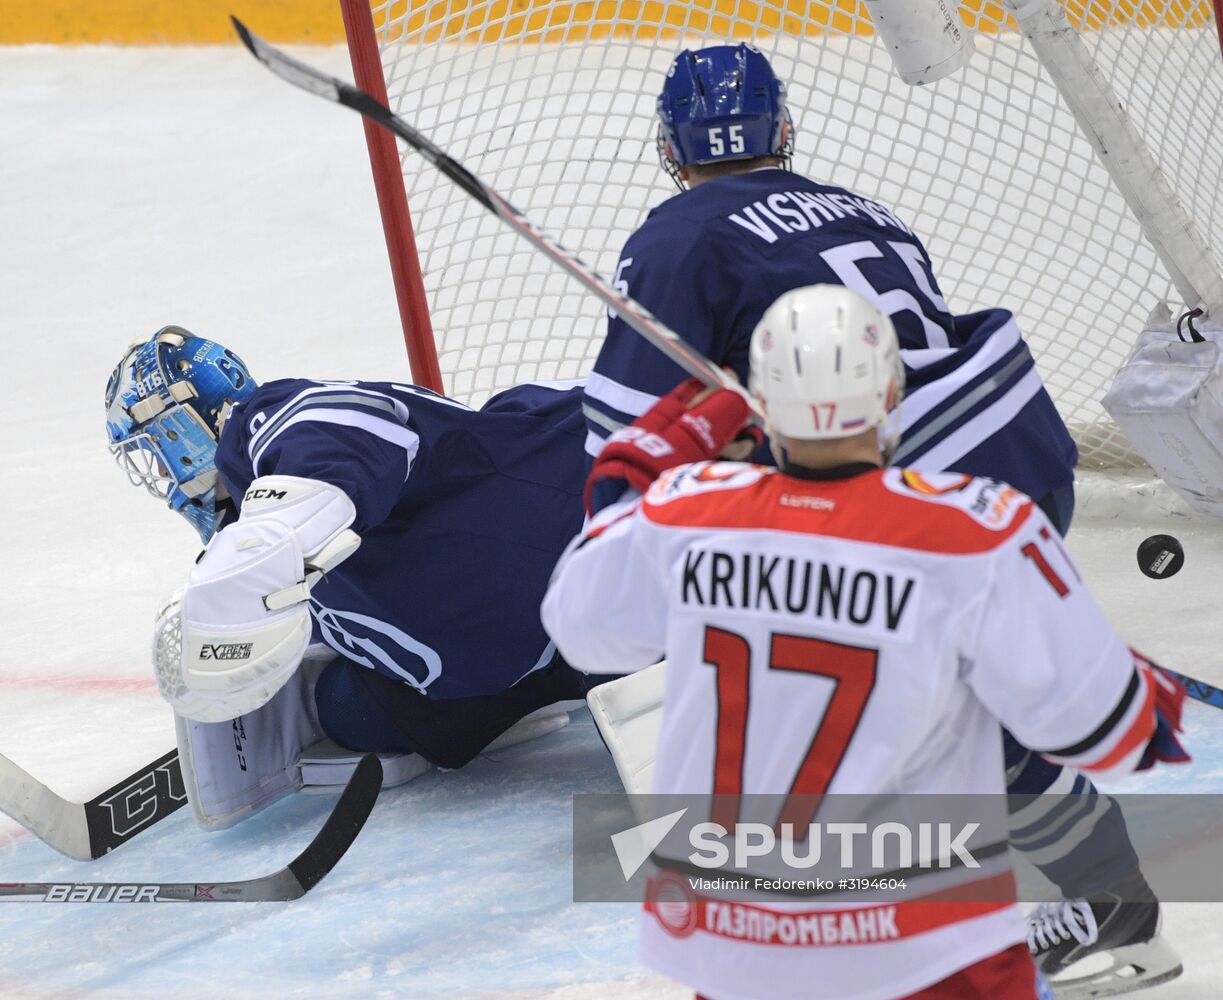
[[755, 581]]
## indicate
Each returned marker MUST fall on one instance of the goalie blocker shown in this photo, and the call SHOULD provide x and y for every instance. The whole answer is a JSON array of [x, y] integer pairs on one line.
[[243, 623]]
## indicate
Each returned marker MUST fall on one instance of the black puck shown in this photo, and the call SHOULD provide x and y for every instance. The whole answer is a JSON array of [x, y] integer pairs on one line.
[[1160, 557]]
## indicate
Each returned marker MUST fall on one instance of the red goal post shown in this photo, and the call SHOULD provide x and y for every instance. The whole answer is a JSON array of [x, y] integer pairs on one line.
[[550, 101], [393, 201]]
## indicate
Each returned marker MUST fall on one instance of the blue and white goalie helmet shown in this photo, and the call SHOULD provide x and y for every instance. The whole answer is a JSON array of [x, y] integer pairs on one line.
[[165, 404], [721, 103]]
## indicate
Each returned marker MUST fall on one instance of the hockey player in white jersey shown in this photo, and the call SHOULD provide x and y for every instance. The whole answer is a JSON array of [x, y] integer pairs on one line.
[[996, 628], [745, 229]]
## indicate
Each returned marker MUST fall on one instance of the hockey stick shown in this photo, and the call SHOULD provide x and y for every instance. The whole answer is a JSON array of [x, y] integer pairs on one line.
[[293, 881], [88, 830], [1207, 694], [635, 315]]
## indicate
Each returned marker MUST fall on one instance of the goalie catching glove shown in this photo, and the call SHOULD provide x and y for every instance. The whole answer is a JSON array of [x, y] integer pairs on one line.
[[681, 427], [244, 619]]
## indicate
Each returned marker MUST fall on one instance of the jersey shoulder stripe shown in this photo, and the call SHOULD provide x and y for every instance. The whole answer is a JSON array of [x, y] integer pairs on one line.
[[347, 404], [941, 513], [265, 421]]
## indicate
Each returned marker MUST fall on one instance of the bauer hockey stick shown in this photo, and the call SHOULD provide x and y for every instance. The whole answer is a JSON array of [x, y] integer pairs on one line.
[[293, 881], [635, 315], [87, 830]]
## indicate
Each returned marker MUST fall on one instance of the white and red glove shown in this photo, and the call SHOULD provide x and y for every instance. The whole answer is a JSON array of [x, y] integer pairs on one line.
[[683, 426], [1164, 745]]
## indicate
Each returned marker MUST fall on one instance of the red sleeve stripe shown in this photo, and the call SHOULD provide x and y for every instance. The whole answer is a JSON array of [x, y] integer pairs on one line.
[[593, 533], [1123, 732]]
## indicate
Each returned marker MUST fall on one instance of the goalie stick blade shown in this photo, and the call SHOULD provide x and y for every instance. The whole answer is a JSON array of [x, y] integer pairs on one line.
[[85, 831], [635, 315], [293, 881]]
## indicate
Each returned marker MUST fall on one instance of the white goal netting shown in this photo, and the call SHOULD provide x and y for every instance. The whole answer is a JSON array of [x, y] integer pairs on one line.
[[552, 102]]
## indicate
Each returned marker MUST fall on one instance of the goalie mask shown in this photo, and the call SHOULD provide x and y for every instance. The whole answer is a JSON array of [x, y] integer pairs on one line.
[[165, 404], [825, 363], [721, 103]]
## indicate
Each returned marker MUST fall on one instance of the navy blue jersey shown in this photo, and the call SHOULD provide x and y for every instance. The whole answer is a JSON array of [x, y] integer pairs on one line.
[[981, 409], [462, 516], [709, 261]]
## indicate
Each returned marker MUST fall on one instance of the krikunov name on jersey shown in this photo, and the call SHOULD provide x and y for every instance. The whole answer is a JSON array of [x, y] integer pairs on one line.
[[754, 581]]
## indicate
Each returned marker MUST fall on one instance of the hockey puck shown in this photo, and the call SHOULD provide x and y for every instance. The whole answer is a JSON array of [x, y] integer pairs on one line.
[[1160, 557]]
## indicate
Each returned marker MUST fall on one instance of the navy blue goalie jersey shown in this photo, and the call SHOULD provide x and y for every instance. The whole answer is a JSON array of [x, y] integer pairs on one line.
[[462, 515], [709, 261]]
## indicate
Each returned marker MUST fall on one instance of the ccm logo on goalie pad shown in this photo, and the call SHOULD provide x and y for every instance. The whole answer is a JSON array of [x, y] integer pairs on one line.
[[226, 651], [264, 494]]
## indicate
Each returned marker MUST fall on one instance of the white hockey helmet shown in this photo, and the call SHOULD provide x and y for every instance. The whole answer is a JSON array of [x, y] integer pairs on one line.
[[825, 364]]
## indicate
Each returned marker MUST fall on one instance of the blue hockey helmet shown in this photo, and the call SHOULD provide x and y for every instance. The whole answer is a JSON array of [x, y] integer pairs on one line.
[[165, 404], [721, 103]]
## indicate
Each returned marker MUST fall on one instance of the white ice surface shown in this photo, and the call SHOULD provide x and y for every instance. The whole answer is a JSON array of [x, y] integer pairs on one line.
[[145, 187]]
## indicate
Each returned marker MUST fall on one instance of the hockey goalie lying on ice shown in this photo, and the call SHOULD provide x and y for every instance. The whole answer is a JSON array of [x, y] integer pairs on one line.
[[393, 543]]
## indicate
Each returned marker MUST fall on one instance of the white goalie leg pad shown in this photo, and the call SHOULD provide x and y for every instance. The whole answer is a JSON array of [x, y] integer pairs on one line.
[[628, 712], [245, 616], [235, 769], [1168, 400]]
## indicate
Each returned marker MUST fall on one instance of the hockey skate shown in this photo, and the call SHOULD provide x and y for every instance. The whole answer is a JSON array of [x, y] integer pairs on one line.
[[1103, 946]]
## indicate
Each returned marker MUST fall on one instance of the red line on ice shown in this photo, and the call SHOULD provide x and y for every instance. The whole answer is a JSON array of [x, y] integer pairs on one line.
[[12, 836], [116, 685]]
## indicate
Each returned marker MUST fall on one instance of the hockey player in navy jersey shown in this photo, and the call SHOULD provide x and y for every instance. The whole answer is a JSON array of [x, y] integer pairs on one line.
[[743, 230], [409, 534]]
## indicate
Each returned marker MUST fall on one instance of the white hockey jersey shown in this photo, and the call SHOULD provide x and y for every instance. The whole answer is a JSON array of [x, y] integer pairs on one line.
[[862, 633]]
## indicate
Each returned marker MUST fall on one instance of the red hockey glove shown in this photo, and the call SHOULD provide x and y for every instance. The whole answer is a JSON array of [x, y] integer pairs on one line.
[[1169, 701], [674, 431]]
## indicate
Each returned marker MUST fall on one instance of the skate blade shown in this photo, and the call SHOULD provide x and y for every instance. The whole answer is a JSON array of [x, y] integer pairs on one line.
[[1126, 969]]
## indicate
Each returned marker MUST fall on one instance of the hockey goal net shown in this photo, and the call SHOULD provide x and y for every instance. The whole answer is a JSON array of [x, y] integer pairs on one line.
[[552, 103]]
